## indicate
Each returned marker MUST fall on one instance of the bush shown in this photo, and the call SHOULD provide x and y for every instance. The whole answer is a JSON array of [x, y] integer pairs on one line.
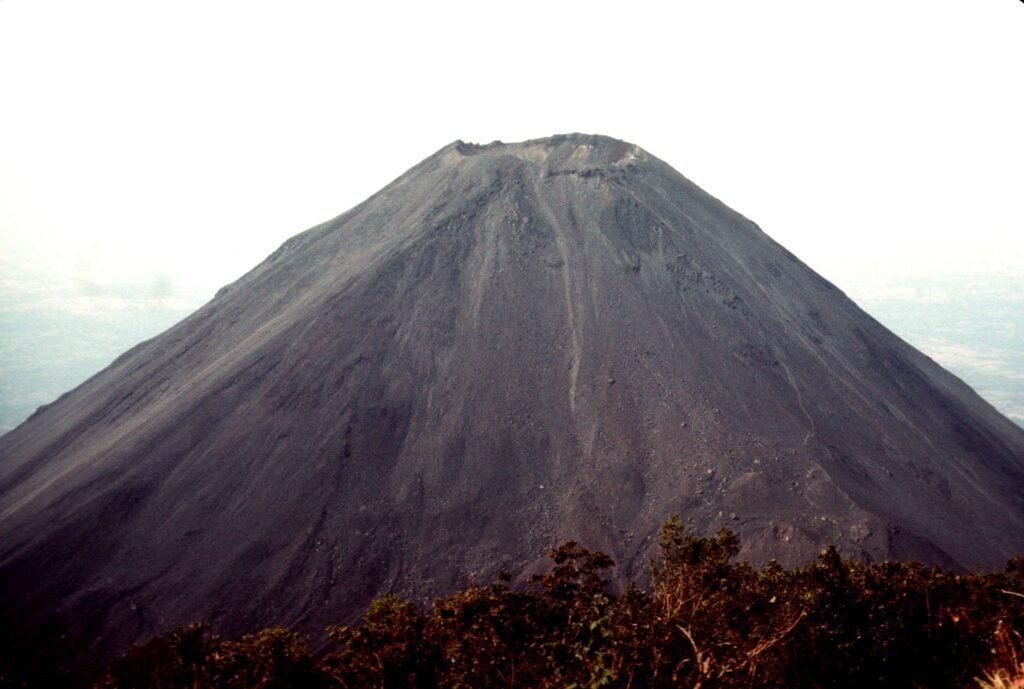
[[706, 621]]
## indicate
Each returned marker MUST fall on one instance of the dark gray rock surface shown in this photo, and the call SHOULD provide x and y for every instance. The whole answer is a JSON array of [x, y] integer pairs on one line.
[[508, 346]]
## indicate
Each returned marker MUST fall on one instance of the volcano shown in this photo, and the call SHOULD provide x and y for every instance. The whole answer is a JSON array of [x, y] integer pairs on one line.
[[509, 346]]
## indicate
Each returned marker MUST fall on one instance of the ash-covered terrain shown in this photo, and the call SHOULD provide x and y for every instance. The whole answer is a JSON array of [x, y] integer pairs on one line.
[[509, 346]]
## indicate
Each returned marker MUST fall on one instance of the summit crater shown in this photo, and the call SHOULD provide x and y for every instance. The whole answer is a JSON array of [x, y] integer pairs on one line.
[[562, 153]]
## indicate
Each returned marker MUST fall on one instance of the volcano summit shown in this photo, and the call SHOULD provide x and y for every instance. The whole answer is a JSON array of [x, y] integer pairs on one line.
[[508, 346]]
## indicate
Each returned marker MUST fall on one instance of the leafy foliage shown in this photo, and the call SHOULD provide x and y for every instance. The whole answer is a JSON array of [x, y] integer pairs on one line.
[[704, 622], [192, 657]]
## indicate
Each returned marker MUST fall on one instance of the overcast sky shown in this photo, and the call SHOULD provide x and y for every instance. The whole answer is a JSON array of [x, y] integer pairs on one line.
[[173, 145]]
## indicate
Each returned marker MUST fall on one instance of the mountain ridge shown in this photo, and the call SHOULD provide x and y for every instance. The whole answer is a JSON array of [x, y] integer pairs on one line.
[[507, 346]]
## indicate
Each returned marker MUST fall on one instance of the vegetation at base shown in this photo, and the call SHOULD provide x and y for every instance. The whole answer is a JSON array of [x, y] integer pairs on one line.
[[704, 622]]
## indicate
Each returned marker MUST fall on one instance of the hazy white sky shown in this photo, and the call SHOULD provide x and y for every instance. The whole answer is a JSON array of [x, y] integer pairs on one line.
[[174, 145]]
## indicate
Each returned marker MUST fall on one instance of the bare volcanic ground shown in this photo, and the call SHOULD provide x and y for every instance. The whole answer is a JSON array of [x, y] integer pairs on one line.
[[509, 346]]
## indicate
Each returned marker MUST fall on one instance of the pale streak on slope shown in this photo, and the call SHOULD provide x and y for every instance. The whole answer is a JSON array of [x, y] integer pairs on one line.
[[562, 244], [800, 401]]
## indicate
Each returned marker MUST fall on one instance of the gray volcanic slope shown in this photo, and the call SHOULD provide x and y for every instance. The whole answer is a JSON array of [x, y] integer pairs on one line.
[[508, 346]]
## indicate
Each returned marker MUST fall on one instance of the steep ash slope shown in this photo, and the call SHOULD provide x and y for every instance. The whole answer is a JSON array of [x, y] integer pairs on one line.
[[508, 346]]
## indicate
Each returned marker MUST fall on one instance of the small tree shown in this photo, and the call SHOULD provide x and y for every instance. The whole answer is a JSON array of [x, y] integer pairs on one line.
[[387, 650]]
